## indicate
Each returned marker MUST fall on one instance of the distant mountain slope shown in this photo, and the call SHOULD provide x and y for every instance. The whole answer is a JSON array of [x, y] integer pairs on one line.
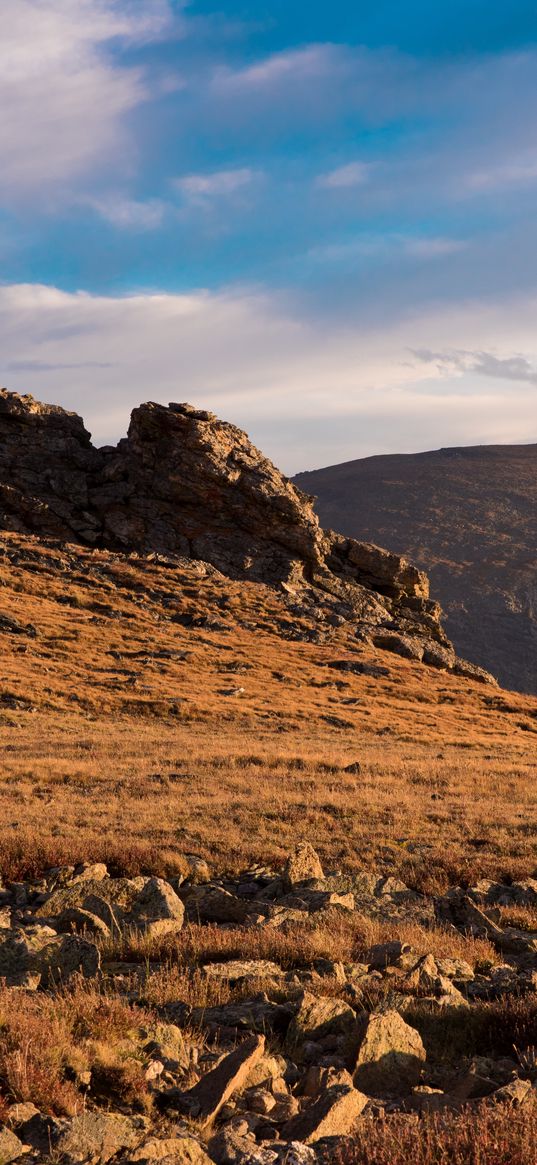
[[470, 516]]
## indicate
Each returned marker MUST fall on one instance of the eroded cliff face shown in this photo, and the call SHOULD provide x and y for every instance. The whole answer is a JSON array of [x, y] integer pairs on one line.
[[183, 483]]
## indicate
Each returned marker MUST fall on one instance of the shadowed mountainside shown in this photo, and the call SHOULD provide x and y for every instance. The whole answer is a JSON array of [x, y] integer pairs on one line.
[[470, 516]]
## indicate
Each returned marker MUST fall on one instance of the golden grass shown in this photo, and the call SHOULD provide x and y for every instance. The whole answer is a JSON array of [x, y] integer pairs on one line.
[[110, 750]]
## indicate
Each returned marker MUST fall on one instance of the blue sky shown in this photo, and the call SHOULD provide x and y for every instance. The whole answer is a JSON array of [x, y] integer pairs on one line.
[[318, 220]]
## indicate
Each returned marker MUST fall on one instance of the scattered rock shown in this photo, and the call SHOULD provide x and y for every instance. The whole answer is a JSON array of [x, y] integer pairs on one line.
[[333, 1114], [391, 1055], [204, 1101], [302, 866]]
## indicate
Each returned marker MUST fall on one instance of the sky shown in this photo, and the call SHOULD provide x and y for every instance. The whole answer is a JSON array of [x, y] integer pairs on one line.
[[317, 220]]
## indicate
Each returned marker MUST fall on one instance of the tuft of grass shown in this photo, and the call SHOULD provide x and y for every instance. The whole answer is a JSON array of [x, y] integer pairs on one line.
[[484, 1137]]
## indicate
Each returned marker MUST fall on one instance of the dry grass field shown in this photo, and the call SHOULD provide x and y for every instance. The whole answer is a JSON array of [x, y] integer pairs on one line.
[[127, 734], [150, 710]]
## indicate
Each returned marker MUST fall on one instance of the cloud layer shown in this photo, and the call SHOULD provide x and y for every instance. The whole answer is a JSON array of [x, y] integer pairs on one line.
[[257, 362]]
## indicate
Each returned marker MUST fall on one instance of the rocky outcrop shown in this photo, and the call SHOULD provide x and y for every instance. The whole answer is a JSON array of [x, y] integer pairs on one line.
[[183, 483]]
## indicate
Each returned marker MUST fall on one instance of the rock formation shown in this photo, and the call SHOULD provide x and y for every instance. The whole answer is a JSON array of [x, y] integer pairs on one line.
[[184, 483]]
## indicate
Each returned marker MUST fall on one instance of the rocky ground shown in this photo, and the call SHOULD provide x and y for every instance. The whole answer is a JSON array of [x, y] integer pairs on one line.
[[199, 683], [245, 1020]]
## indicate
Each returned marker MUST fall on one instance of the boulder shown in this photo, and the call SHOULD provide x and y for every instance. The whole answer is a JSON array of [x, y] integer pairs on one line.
[[303, 865], [332, 1115], [204, 1101], [98, 1136], [37, 955], [391, 1055]]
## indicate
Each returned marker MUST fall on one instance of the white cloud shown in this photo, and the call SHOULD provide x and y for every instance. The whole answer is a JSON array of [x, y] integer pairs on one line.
[[202, 188], [386, 247], [518, 171], [63, 97], [294, 65], [127, 213], [309, 391], [346, 177]]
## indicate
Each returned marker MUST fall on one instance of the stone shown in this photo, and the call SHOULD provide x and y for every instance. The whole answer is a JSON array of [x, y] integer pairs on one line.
[[157, 909], [37, 955], [10, 1147], [303, 865], [214, 904], [516, 1092], [179, 1150], [333, 1114], [391, 1055], [229, 1147], [317, 1017], [204, 1101], [98, 1136]]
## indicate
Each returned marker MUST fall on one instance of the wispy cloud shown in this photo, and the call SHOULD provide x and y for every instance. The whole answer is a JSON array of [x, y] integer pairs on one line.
[[484, 363], [205, 188], [346, 177], [295, 66], [129, 214], [63, 98], [386, 247], [518, 171], [332, 392]]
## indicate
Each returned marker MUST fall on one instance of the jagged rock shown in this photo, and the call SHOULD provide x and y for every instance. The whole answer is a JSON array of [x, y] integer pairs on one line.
[[318, 1017], [333, 1114], [204, 1101], [146, 904], [183, 482], [390, 1056], [302, 865], [157, 909], [10, 1147]]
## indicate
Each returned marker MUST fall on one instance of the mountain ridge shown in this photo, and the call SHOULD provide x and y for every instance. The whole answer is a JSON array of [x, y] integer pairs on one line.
[[477, 533]]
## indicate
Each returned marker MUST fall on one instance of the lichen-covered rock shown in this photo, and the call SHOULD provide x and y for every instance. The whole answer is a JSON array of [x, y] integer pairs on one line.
[[333, 1114], [391, 1055], [302, 865]]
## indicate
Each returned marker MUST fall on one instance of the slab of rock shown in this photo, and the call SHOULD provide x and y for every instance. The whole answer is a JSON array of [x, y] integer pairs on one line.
[[209, 1095], [302, 865], [332, 1115], [98, 1136], [237, 969], [390, 1057]]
